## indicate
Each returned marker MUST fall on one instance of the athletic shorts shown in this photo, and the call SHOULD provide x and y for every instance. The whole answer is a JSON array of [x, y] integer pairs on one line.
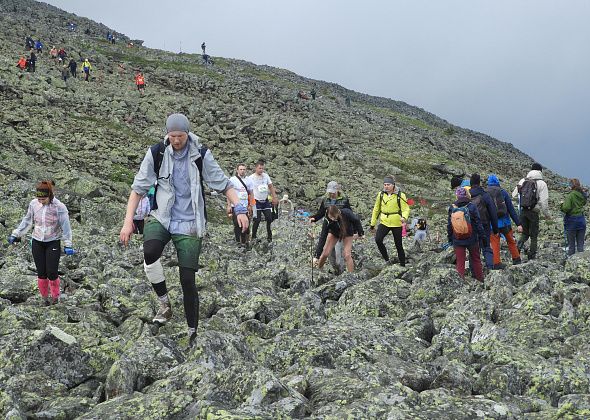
[[140, 87], [188, 248]]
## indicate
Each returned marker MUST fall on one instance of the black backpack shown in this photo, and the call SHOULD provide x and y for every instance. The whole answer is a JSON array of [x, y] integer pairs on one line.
[[421, 224], [528, 194], [157, 151], [498, 199], [481, 208]]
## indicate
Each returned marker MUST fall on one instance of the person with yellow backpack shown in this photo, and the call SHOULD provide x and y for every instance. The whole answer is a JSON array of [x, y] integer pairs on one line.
[[392, 210]]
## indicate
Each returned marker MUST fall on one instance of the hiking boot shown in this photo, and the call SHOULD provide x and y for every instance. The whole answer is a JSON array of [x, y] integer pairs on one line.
[[516, 261], [192, 339], [499, 266], [164, 313], [46, 301]]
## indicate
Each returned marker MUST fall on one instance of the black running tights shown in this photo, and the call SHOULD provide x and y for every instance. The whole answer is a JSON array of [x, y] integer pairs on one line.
[[382, 232], [46, 256]]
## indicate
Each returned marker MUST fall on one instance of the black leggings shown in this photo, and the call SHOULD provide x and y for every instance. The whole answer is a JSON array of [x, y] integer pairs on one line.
[[152, 251], [382, 232], [46, 256], [268, 217], [241, 237]]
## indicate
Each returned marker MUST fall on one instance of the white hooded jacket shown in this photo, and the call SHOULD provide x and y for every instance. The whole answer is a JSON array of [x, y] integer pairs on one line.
[[542, 192]]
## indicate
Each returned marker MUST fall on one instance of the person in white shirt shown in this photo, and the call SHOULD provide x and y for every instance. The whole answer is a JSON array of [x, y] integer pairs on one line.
[[241, 184], [261, 187]]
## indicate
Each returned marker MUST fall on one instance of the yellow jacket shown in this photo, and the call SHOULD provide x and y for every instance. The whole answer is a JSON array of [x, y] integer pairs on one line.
[[386, 206]]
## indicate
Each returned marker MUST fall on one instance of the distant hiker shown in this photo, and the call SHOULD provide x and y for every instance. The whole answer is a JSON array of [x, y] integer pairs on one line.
[[140, 82], [53, 52], [261, 187], [347, 101], [313, 93], [391, 210], [61, 55], [207, 59], [464, 230], [109, 36], [72, 26], [29, 43], [65, 72], [574, 220], [487, 214], [87, 31], [39, 46], [51, 224], [505, 211], [420, 227], [113, 39], [533, 198], [179, 164], [333, 197], [143, 210], [73, 66], [243, 188], [302, 95], [22, 63], [203, 46], [285, 207], [86, 67], [32, 61], [343, 224]]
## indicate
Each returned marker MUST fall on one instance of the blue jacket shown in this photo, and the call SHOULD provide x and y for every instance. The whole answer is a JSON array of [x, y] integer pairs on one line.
[[476, 225], [490, 206], [504, 221]]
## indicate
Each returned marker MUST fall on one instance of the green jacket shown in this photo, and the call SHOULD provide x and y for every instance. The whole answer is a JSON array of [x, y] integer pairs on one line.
[[574, 204]]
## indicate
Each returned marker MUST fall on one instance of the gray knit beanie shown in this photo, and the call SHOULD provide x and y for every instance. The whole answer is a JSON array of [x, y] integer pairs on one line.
[[177, 122]]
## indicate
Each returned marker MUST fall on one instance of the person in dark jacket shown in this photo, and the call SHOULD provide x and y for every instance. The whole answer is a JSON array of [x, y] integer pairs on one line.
[[488, 216], [505, 211], [343, 224], [333, 197], [73, 66], [470, 243], [574, 220], [32, 61]]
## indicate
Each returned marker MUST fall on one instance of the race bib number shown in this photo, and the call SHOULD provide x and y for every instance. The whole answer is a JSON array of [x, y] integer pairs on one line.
[[263, 188], [242, 195]]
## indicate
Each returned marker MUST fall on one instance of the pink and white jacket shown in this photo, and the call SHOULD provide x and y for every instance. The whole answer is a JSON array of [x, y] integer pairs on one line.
[[51, 222]]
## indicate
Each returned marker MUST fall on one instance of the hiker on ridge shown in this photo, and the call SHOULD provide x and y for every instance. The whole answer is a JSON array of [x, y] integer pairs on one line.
[[203, 46], [179, 164], [533, 199], [391, 210], [574, 220], [140, 82], [333, 197], [243, 188], [488, 216], [261, 187], [86, 67], [51, 222], [505, 211], [343, 224], [464, 230]]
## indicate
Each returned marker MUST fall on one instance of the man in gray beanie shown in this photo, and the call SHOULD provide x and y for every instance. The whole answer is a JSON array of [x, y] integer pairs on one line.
[[177, 166]]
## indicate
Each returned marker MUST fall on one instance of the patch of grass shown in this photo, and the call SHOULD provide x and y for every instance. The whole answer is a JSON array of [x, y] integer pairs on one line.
[[47, 145], [408, 120], [120, 173]]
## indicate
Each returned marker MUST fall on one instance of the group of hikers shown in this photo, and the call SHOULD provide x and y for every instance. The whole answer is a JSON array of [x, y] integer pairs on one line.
[[67, 68], [169, 187]]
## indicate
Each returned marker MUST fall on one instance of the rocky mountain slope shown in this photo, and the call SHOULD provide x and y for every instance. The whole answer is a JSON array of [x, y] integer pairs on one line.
[[276, 339]]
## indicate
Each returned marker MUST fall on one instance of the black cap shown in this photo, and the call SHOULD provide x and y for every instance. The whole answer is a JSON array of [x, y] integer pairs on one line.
[[536, 167], [475, 180]]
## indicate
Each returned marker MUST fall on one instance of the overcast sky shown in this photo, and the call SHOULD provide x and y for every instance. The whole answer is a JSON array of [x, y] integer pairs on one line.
[[518, 70]]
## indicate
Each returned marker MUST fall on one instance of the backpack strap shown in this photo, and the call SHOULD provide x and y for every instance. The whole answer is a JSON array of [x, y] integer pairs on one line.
[[157, 151]]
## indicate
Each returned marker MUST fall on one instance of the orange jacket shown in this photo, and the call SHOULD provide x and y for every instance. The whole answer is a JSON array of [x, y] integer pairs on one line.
[[22, 63], [139, 80]]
